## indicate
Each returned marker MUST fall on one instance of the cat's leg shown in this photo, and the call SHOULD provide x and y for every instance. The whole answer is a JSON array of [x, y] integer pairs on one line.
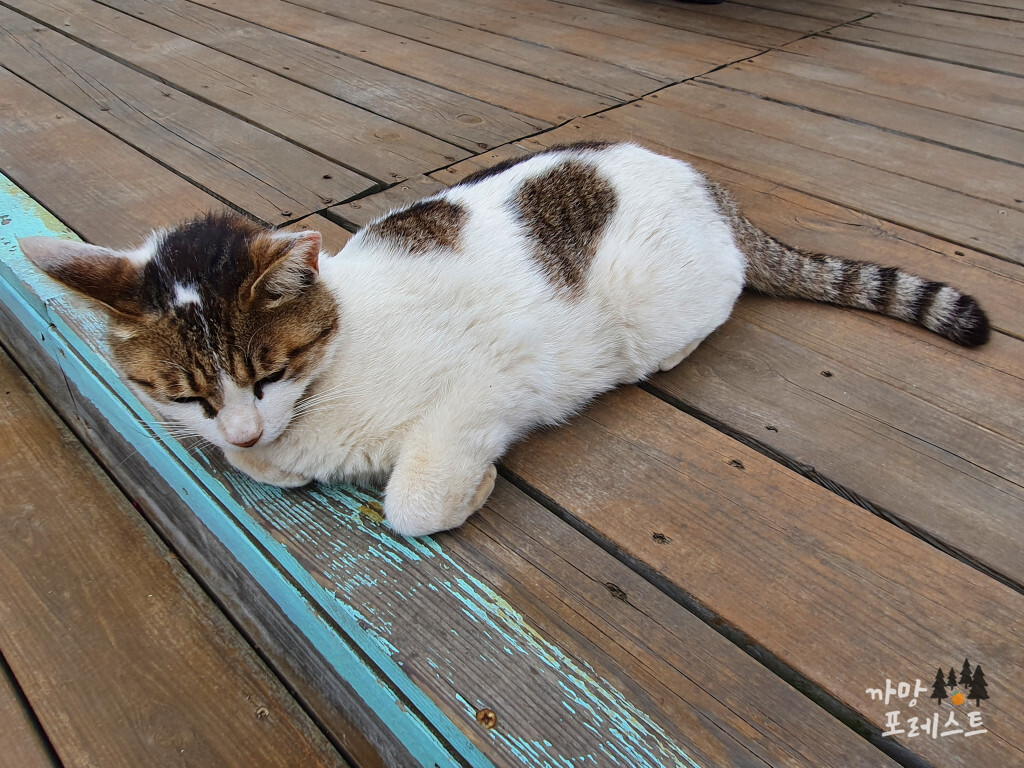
[[437, 483], [672, 361], [256, 466]]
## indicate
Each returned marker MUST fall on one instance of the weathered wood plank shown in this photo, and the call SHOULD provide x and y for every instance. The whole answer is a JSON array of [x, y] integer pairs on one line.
[[783, 560], [24, 745], [768, 27], [637, 635], [511, 52], [650, 49], [954, 53], [936, 25], [104, 189], [758, 76], [375, 146], [123, 658], [995, 11], [439, 112], [980, 177], [943, 213], [986, 96], [967, 22], [523, 93], [244, 165]]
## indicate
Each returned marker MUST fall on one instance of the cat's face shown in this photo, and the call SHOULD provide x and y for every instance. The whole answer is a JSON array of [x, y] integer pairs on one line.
[[219, 324]]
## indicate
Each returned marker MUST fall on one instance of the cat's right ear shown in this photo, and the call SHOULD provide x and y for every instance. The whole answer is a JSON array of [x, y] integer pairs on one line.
[[111, 278]]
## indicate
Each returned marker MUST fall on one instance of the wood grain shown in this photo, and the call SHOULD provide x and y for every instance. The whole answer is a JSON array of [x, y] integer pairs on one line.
[[375, 146], [649, 49], [943, 167], [107, 189], [940, 212], [938, 85], [256, 171], [525, 94], [782, 560], [981, 138], [122, 657], [439, 112], [24, 745]]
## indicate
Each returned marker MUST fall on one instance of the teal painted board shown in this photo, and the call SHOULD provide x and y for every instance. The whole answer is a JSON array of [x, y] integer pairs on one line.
[[400, 619]]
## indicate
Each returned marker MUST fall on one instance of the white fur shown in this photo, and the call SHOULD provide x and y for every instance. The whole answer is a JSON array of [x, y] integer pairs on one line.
[[443, 359]]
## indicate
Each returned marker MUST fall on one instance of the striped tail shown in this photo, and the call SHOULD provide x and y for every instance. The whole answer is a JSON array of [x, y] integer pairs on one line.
[[779, 270]]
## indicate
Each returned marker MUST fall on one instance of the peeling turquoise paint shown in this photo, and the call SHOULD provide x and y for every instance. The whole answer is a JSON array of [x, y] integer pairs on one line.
[[369, 563]]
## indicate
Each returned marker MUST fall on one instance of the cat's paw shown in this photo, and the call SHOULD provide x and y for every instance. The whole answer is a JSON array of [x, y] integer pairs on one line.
[[416, 514], [258, 468]]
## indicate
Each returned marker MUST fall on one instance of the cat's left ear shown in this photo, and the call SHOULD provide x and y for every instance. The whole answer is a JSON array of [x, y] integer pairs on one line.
[[290, 274], [112, 278]]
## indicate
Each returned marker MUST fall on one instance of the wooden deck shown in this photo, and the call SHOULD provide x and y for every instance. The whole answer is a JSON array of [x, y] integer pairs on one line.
[[713, 568]]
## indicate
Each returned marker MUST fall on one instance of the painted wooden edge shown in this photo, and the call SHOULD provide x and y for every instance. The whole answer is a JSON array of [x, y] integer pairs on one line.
[[374, 676]]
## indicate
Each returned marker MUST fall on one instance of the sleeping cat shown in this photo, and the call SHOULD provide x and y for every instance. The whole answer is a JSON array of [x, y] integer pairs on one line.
[[446, 330]]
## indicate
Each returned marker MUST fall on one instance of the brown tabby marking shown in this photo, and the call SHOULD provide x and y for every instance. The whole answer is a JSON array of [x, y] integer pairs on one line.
[[565, 211], [504, 165], [240, 325], [423, 227]]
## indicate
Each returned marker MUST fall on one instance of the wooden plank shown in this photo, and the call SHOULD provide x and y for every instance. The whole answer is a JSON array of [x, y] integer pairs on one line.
[[834, 12], [105, 188], [630, 630], [967, 22], [954, 53], [769, 27], [783, 560], [518, 55], [944, 28], [650, 49], [987, 96], [375, 146], [25, 746], [758, 76], [123, 658], [523, 93], [980, 177], [444, 114], [939, 212], [237, 162], [993, 11]]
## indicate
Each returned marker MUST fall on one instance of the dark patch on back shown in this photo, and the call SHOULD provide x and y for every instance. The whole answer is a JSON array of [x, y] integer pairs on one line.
[[565, 211], [504, 165], [423, 227]]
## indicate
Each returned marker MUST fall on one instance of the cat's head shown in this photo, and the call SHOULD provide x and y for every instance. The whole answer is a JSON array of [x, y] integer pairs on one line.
[[219, 323]]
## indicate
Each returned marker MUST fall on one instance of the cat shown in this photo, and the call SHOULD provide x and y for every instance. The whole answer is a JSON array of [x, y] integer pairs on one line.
[[446, 330]]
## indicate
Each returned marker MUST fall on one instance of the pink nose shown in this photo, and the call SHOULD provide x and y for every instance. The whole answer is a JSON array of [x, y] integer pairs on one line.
[[248, 443]]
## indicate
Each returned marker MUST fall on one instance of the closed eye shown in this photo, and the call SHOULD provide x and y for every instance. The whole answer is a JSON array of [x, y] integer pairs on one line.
[[208, 410], [257, 388]]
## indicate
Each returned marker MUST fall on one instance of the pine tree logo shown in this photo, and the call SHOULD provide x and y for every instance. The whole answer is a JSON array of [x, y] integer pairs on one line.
[[971, 685]]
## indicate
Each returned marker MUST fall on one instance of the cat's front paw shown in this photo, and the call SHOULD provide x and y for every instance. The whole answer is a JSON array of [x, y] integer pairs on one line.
[[420, 514], [258, 468]]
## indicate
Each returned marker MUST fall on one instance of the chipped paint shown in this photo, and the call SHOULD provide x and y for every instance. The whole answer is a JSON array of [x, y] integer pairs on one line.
[[423, 624]]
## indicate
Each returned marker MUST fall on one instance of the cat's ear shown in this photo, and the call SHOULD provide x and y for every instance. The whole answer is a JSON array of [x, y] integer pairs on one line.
[[112, 278], [290, 274]]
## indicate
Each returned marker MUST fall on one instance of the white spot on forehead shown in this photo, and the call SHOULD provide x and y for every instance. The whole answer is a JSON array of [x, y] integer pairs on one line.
[[186, 294]]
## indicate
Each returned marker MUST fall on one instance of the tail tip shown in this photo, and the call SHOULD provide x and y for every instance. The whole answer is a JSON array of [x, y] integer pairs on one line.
[[970, 326]]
